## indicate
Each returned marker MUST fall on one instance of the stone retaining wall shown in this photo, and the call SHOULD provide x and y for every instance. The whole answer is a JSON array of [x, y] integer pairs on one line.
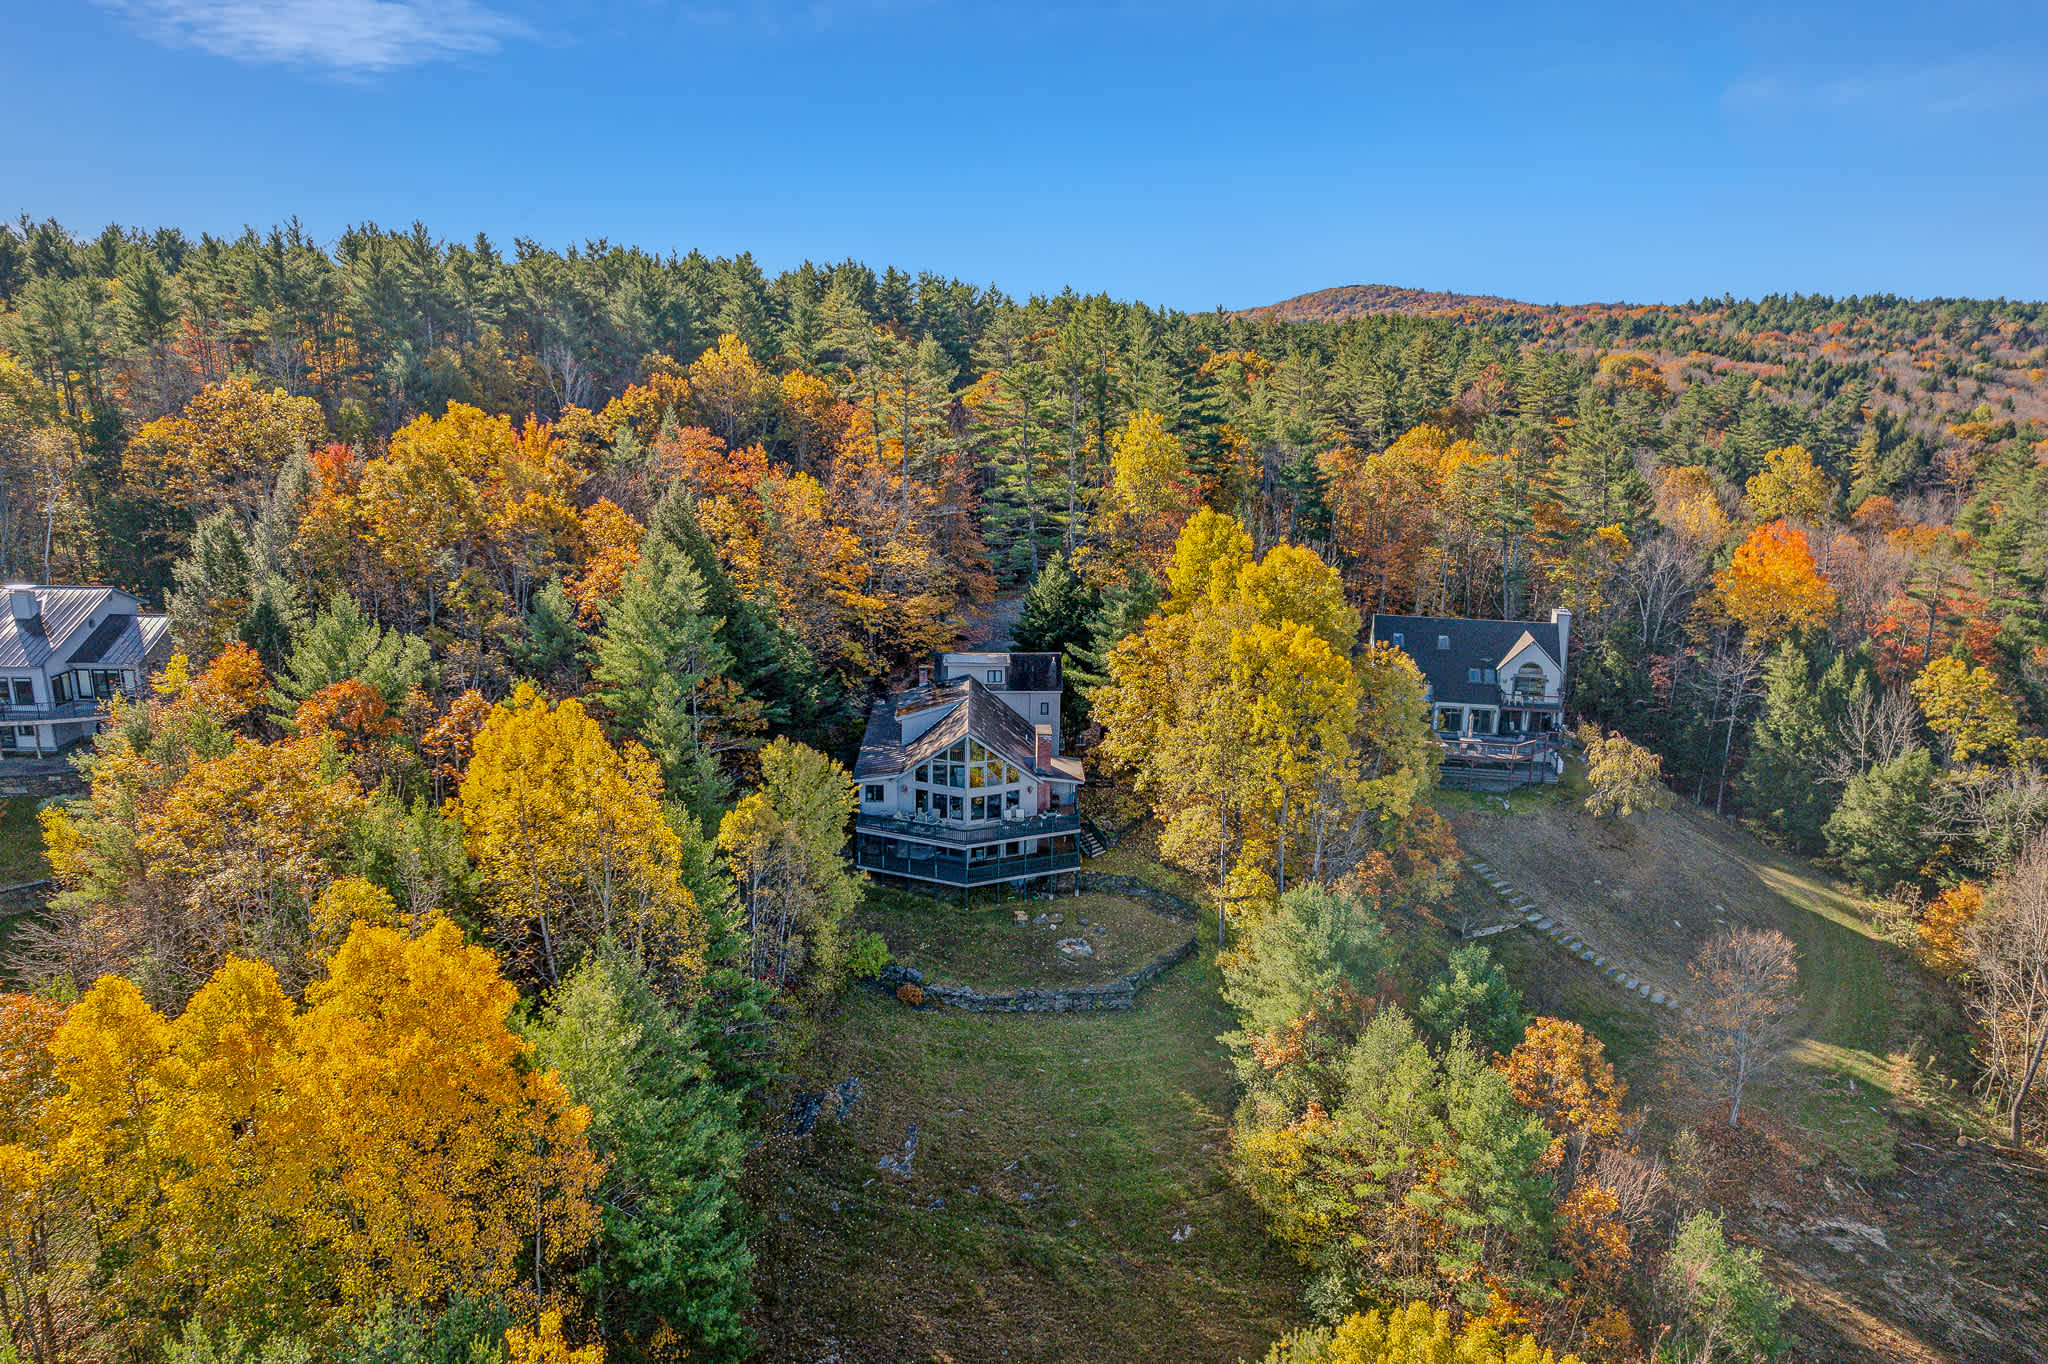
[[40, 783], [1131, 888], [1120, 993]]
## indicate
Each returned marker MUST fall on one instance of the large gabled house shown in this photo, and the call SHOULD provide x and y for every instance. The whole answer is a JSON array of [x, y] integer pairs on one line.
[[1495, 688], [961, 780], [64, 651]]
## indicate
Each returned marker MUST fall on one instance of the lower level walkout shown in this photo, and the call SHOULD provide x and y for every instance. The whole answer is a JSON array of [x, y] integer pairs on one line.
[[980, 864]]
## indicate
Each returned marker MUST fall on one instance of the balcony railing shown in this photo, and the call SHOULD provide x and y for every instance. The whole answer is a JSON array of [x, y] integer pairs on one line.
[[82, 709], [1480, 749], [971, 833], [1544, 700], [954, 869]]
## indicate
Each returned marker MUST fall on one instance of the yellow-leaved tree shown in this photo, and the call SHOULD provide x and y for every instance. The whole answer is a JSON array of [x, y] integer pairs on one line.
[[1152, 485], [286, 1170], [1270, 751], [572, 840], [1412, 1334], [783, 842], [1791, 486], [1967, 707], [224, 449]]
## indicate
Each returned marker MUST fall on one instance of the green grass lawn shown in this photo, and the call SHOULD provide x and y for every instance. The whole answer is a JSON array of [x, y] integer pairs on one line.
[[21, 842], [984, 946], [1057, 1158], [1865, 1002]]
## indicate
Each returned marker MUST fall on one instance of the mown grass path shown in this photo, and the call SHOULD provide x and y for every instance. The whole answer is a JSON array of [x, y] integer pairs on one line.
[[1067, 1199]]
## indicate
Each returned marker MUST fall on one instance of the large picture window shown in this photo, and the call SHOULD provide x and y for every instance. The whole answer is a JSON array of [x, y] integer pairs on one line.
[[967, 766]]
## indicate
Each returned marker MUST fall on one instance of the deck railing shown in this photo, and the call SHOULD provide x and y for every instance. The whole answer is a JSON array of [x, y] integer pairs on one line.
[[969, 834], [82, 709], [953, 869]]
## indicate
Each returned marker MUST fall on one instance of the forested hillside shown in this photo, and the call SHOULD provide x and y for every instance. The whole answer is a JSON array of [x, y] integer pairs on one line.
[[524, 600]]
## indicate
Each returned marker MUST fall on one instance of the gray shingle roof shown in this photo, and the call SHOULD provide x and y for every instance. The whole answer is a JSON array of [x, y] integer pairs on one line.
[[1473, 644], [975, 712]]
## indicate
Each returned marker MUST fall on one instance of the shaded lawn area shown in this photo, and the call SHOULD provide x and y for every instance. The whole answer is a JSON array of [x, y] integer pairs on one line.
[[984, 946], [1057, 1158], [21, 860], [21, 842]]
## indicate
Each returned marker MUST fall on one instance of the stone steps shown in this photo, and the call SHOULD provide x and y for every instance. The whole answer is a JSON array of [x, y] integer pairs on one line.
[[1536, 921]]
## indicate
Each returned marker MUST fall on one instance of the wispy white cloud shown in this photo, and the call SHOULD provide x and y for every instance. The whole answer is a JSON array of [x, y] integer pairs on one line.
[[1957, 87], [344, 35]]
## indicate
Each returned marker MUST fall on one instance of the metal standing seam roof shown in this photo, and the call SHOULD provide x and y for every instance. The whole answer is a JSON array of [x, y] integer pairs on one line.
[[30, 644], [1473, 644], [105, 637], [120, 642]]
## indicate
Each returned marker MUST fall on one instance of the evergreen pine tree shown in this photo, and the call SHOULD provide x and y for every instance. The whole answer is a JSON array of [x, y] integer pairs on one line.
[[1880, 830], [346, 643], [658, 659], [1056, 610], [675, 1260], [1119, 612], [768, 664], [211, 592], [552, 638], [1780, 793], [275, 616]]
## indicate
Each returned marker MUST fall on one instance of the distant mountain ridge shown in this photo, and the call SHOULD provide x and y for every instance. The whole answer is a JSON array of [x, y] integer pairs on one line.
[[1356, 300]]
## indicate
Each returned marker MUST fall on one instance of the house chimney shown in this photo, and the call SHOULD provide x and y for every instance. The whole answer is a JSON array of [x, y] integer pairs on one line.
[[22, 597], [1562, 619], [1044, 755], [924, 674]]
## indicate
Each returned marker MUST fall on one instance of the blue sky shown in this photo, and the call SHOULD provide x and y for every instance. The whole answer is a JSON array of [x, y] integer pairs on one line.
[[1190, 154]]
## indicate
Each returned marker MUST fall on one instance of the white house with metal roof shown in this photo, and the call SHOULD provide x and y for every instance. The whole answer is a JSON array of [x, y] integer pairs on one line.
[[64, 651]]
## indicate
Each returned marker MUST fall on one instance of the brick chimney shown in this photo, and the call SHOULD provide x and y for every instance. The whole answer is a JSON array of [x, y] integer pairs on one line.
[[1044, 757], [924, 674]]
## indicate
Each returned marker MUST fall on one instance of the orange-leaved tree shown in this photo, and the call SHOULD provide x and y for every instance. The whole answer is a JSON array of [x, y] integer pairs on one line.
[[194, 842], [1773, 587]]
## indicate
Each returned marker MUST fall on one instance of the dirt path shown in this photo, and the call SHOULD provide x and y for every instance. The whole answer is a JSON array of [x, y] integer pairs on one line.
[[990, 626]]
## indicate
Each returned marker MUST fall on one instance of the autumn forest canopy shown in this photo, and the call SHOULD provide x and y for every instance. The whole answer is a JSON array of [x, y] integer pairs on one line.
[[526, 608]]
